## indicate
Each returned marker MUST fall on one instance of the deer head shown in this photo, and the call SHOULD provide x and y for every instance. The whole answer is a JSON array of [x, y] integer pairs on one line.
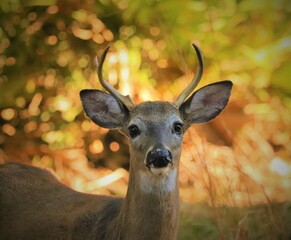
[[155, 129]]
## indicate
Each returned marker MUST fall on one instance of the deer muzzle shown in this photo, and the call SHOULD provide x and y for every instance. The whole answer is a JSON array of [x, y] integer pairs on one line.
[[159, 157]]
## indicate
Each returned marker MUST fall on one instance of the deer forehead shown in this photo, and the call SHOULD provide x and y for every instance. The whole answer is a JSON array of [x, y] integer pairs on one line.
[[155, 112]]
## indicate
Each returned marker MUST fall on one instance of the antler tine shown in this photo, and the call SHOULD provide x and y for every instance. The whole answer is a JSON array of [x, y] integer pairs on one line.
[[188, 90], [125, 100]]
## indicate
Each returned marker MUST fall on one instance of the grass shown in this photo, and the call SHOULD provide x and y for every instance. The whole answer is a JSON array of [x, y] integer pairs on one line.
[[268, 222]]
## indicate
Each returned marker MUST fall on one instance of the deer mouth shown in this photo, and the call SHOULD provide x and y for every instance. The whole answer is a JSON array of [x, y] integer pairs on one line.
[[160, 171]]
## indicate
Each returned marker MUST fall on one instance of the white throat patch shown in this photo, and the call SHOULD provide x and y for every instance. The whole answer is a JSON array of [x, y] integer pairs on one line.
[[152, 183]]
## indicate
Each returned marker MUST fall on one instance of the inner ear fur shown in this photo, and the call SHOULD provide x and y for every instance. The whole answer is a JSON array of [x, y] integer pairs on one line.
[[103, 109], [206, 103]]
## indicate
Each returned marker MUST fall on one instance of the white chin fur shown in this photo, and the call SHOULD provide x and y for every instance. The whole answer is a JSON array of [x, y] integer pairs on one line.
[[159, 181], [159, 171]]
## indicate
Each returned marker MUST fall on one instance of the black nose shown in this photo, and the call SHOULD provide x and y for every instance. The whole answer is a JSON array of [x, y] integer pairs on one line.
[[159, 157]]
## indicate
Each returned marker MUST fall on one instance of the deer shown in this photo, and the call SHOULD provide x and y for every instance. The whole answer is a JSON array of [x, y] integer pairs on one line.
[[34, 205]]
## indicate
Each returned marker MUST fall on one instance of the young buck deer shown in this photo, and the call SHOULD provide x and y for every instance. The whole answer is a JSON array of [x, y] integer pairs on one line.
[[34, 205]]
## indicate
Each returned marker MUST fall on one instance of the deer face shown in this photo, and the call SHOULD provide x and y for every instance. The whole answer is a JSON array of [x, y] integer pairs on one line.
[[155, 131]]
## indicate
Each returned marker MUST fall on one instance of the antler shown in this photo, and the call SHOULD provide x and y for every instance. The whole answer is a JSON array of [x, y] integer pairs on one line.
[[125, 100], [188, 90]]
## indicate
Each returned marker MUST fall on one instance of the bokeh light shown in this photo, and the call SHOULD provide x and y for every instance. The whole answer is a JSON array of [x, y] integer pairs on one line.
[[240, 159]]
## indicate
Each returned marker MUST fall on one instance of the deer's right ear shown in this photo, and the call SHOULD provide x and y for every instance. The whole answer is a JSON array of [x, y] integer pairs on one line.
[[206, 103], [103, 109]]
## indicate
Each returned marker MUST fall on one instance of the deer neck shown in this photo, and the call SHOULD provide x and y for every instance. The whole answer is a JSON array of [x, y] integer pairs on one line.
[[151, 206]]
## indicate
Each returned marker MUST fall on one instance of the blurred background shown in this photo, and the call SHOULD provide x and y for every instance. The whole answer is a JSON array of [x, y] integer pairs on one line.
[[235, 172]]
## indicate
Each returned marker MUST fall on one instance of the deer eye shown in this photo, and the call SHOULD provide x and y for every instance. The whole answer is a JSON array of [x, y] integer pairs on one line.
[[133, 131], [178, 128]]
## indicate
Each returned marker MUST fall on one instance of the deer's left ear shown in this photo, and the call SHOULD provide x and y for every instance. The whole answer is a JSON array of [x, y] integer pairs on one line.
[[206, 103]]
